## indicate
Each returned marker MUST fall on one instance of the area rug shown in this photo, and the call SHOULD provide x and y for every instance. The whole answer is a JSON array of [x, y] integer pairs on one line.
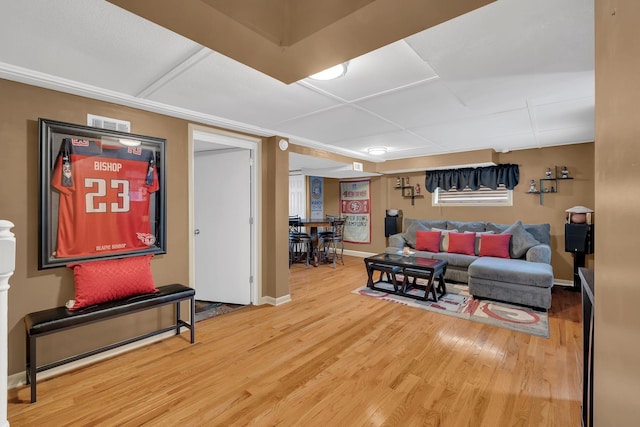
[[458, 303], [206, 310]]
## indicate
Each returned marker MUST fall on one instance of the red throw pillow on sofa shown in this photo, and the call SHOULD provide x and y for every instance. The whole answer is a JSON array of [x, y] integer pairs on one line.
[[496, 245], [110, 280], [428, 240], [462, 243]]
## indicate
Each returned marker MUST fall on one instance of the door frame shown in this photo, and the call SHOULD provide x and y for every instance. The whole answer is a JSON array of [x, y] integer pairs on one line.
[[229, 139]]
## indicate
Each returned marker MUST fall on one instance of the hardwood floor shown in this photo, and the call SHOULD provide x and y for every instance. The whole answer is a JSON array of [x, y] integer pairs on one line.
[[329, 358]]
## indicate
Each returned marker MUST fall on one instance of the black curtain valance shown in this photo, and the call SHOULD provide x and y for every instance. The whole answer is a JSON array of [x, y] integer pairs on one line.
[[490, 176]]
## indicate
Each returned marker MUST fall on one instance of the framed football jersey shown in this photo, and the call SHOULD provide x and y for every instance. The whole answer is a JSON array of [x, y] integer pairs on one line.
[[102, 194]]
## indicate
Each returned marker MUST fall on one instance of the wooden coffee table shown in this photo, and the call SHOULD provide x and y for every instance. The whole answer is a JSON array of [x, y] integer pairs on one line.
[[411, 268]]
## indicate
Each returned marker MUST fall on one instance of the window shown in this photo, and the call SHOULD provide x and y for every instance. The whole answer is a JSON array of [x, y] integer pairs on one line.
[[485, 196]]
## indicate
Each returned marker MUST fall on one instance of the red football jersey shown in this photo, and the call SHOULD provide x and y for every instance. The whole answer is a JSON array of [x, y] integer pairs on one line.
[[105, 192]]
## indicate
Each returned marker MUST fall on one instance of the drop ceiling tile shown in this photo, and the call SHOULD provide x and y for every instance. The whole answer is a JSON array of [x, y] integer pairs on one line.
[[424, 104], [562, 115], [335, 125], [567, 86], [566, 136], [222, 87], [92, 42], [499, 56], [477, 132], [388, 68], [512, 37], [507, 92]]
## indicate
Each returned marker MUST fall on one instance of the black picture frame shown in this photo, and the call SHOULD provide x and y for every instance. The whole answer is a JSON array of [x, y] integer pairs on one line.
[[57, 139]]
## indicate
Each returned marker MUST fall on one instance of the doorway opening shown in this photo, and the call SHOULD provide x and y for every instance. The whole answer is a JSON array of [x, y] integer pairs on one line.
[[223, 221]]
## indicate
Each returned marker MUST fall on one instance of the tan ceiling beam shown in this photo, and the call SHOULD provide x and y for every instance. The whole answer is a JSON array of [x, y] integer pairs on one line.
[[371, 25]]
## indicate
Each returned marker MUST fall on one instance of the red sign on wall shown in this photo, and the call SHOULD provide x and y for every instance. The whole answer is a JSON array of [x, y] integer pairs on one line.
[[355, 207]]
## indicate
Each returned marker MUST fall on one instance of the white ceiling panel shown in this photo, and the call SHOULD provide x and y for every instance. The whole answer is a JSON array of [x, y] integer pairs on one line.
[[513, 37], [89, 41], [501, 93], [346, 122], [477, 132], [425, 104], [385, 69], [566, 86], [223, 87], [562, 115], [564, 136]]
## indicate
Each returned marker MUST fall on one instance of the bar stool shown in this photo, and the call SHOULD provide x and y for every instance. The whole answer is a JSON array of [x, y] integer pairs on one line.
[[299, 242], [334, 240]]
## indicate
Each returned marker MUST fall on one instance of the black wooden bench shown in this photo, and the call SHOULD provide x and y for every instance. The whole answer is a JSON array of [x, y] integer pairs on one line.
[[58, 319]]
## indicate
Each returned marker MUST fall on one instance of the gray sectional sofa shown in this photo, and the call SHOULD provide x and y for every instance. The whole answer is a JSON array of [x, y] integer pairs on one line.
[[526, 277]]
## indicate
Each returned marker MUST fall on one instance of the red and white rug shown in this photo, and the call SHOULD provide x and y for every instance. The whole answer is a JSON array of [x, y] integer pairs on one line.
[[458, 303]]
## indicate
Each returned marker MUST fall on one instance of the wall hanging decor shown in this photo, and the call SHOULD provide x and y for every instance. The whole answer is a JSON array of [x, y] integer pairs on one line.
[[102, 194], [355, 208]]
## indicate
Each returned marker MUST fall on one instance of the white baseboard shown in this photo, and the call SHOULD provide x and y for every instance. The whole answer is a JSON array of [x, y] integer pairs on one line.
[[562, 282], [358, 253], [276, 301], [19, 379]]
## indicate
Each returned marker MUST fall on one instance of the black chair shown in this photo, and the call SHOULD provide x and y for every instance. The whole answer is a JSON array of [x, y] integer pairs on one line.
[[327, 232], [334, 240], [299, 242]]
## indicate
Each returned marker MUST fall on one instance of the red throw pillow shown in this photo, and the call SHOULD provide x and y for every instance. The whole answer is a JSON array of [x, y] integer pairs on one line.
[[496, 245], [110, 280], [462, 243], [428, 240]]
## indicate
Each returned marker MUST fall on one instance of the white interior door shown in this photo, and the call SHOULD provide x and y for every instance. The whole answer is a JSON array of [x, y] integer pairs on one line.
[[222, 212], [297, 195]]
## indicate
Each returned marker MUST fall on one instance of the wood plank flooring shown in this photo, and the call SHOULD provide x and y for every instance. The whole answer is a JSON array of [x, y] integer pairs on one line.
[[328, 358]]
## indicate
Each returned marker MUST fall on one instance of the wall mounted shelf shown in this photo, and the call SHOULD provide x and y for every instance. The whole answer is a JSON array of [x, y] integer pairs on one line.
[[546, 182], [408, 191]]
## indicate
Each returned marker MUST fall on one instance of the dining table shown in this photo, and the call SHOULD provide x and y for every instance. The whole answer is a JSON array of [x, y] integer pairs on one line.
[[312, 225]]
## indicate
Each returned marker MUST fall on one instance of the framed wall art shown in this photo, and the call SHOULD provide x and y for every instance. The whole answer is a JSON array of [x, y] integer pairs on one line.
[[102, 194]]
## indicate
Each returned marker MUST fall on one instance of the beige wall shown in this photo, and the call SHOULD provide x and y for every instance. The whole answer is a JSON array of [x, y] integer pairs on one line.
[[617, 154], [33, 290]]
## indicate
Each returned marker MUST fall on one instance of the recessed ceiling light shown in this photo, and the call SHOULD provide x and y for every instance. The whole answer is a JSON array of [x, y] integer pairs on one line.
[[331, 73], [377, 151]]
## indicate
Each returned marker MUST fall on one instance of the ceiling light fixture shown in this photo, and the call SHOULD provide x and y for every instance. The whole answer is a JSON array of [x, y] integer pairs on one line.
[[377, 151], [331, 73]]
